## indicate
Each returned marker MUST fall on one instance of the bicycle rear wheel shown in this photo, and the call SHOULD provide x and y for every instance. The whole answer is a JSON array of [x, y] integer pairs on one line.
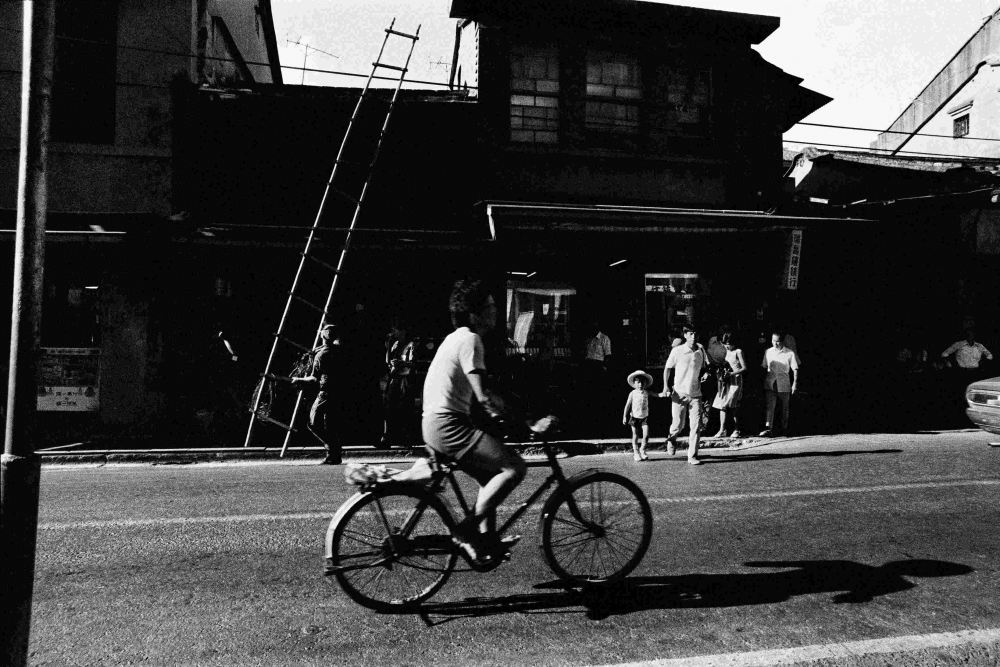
[[596, 529], [390, 549]]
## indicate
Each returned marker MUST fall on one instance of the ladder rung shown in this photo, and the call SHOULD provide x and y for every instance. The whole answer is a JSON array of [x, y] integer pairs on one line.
[[318, 309], [395, 67], [343, 195], [325, 265], [401, 34], [269, 420], [354, 163], [293, 343]]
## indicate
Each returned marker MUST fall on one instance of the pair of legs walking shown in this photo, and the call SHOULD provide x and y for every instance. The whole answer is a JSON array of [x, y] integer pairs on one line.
[[691, 408], [639, 452], [321, 425], [773, 399], [723, 412]]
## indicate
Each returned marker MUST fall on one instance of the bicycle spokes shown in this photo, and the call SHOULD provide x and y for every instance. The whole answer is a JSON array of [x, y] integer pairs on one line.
[[599, 530]]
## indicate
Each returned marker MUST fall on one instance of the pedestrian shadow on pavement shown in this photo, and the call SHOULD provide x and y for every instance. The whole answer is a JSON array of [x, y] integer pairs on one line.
[[849, 582], [714, 457]]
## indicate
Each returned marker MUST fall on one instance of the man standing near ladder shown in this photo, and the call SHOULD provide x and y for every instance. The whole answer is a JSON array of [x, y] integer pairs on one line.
[[321, 415]]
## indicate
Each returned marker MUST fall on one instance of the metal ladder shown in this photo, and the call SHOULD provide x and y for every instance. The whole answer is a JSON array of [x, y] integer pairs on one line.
[[308, 261]]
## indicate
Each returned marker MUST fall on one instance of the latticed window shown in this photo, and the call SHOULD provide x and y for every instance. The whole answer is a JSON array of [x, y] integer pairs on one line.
[[534, 95], [689, 96], [614, 92], [960, 126]]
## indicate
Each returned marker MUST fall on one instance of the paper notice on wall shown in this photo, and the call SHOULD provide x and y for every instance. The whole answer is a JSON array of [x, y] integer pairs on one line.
[[69, 379]]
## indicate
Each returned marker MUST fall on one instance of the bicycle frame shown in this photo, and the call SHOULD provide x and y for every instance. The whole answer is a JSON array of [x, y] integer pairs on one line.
[[446, 471]]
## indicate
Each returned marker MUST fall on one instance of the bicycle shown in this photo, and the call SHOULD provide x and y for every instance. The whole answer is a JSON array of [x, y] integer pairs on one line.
[[391, 547]]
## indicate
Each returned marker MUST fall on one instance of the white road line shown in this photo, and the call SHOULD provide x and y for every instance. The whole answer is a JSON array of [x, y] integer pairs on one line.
[[249, 518], [832, 491], [816, 652], [232, 518]]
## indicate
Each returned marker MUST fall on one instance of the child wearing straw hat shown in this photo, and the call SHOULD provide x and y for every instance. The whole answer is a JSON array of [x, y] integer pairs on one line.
[[637, 412]]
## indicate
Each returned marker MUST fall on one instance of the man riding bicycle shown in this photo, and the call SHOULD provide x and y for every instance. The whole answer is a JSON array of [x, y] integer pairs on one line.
[[457, 375]]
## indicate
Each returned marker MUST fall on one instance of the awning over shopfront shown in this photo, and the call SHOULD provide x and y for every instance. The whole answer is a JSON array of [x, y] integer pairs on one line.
[[504, 216]]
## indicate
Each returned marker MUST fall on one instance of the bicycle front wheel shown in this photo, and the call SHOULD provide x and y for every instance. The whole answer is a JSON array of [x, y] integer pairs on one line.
[[596, 529], [390, 550]]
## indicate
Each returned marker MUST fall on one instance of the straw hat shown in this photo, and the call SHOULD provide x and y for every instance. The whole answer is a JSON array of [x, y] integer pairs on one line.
[[640, 374]]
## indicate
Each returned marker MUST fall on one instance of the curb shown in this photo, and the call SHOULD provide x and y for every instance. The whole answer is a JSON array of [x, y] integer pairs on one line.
[[190, 455]]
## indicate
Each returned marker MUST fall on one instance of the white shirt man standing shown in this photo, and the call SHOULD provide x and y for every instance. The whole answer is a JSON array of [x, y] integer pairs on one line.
[[683, 374], [969, 353], [782, 366]]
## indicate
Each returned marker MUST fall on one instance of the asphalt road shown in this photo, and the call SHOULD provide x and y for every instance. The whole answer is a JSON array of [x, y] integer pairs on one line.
[[846, 550]]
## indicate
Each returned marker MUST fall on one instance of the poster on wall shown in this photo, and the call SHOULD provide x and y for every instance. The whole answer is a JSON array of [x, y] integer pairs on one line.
[[69, 379]]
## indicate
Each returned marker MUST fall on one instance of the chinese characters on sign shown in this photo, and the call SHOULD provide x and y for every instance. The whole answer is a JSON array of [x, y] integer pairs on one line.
[[69, 379], [793, 253]]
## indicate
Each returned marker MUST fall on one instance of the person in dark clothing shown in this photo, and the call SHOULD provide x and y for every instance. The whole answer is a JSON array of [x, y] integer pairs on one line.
[[321, 416], [397, 401]]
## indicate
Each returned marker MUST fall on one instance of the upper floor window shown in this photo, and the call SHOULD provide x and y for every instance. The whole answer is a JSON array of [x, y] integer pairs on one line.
[[614, 92], [534, 95], [689, 97], [960, 126], [83, 82]]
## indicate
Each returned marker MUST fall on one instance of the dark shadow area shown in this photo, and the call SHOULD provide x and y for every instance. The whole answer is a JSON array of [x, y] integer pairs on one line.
[[849, 582], [713, 457]]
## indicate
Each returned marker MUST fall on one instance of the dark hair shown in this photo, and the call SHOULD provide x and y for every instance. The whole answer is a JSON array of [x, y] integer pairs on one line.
[[467, 298], [780, 334], [728, 339], [688, 329]]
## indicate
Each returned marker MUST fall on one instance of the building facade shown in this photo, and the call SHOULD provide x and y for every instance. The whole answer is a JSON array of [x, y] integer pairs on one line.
[[600, 163], [119, 74], [632, 146], [958, 111]]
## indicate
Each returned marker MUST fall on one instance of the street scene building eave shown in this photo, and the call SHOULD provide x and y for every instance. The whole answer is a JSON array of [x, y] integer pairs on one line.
[[616, 218]]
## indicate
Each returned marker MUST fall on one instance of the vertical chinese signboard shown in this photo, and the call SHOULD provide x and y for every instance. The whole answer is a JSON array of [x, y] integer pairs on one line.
[[69, 379], [793, 253]]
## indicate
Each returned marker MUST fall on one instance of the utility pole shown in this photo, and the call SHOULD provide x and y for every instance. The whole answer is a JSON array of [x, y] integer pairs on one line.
[[19, 466]]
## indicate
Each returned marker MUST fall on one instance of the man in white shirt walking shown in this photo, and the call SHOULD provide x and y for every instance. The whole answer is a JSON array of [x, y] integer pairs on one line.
[[782, 366], [969, 353], [685, 370]]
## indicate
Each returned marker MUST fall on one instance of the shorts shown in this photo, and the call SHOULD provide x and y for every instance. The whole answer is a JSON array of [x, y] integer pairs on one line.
[[451, 433], [637, 422]]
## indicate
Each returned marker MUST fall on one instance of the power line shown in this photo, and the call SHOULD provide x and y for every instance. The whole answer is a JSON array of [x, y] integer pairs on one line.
[[914, 134], [890, 153], [470, 87], [178, 54]]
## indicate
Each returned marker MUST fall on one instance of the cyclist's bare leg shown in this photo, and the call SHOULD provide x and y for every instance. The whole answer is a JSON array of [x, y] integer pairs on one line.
[[498, 469]]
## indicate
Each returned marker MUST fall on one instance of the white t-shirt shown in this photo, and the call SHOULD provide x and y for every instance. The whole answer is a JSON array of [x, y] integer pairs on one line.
[[967, 356], [688, 366], [778, 362], [447, 388]]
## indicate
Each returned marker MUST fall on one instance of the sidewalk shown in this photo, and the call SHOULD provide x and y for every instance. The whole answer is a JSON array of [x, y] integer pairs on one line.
[[184, 455]]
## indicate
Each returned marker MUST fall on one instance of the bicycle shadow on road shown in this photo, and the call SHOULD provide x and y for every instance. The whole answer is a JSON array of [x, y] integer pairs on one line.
[[850, 583]]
